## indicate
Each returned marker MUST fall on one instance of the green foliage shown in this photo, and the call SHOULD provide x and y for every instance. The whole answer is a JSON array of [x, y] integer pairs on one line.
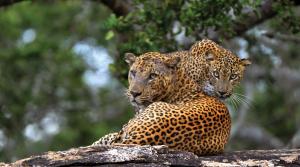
[[43, 75], [287, 20], [197, 16]]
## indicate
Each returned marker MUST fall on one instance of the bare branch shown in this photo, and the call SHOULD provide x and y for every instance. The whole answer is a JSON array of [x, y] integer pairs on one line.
[[283, 37]]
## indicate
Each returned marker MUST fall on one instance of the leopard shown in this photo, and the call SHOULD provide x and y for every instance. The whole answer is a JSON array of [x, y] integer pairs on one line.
[[178, 115], [215, 70]]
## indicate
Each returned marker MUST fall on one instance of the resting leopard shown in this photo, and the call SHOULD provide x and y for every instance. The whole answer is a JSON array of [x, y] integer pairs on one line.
[[186, 120], [182, 118], [213, 66]]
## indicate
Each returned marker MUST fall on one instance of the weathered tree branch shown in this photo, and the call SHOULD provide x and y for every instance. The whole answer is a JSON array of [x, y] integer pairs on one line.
[[283, 37], [157, 156]]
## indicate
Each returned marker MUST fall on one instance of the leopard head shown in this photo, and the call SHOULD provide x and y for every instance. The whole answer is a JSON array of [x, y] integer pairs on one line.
[[151, 77], [224, 73]]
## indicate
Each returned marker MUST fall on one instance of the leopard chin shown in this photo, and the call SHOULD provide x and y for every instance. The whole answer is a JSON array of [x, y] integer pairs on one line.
[[208, 89]]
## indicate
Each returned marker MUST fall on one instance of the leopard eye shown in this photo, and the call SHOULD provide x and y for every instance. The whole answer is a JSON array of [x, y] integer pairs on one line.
[[132, 73], [233, 76], [216, 74], [152, 76]]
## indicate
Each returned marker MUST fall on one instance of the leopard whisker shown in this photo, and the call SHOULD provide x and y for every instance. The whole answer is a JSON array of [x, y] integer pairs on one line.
[[233, 103], [244, 96], [243, 99]]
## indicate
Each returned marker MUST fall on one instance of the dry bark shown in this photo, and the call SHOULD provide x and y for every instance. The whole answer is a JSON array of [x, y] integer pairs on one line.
[[157, 156]]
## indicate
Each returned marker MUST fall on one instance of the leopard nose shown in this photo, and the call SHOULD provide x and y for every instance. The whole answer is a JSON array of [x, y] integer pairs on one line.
[[135, 94]]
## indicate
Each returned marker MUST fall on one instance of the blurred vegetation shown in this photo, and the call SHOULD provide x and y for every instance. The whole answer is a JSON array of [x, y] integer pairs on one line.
[[43, 78], [43, 84]]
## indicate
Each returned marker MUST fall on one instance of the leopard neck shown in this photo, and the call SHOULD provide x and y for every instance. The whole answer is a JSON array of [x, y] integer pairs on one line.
[[184, 88]]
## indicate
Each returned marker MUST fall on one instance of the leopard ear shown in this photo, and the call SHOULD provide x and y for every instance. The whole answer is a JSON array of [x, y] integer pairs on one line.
[[245, 62], [130, 58], [172, 61]]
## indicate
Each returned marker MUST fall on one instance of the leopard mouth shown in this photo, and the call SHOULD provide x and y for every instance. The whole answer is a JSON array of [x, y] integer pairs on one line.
[[223, 97], [139, 102], [134, 102]]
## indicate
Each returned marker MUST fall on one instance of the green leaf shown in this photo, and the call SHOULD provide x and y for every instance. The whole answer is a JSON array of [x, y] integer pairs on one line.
[[109, 35]]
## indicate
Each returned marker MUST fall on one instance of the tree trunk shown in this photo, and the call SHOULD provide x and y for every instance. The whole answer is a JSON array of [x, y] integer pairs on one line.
[[157, 156]]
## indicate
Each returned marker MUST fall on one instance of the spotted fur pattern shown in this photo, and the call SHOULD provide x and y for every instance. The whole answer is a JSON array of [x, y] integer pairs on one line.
[[106, 140], [184, 119], [158, 125]]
